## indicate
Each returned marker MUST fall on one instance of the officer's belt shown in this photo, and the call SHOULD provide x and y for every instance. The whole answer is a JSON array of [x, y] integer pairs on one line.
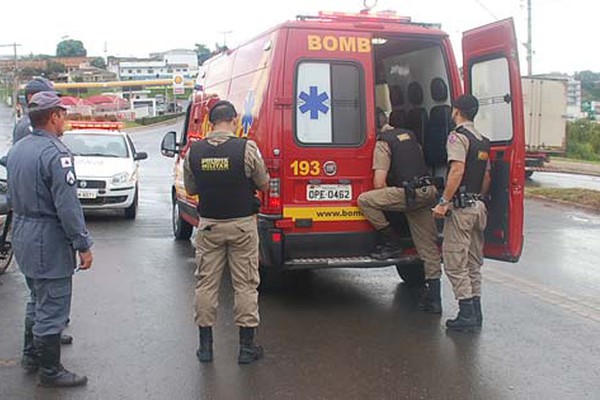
[[37, 217], [410, 188], [464, 200]]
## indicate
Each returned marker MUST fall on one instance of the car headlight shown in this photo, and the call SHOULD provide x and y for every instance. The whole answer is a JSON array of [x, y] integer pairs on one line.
[[121, 179]]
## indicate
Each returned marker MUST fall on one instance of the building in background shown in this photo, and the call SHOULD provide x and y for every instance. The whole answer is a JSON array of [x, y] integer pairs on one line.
[[157, 66]]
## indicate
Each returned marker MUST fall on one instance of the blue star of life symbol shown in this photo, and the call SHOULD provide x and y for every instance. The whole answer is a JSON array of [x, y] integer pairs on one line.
[[314, 102], [248, 118]]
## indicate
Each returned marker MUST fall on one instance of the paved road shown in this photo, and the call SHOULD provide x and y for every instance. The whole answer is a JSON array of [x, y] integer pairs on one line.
[[337, 334], [560, 180]]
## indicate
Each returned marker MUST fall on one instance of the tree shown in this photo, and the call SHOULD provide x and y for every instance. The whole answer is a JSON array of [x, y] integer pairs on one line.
[[203, 53], [98, 62], [54, 69], [70, 48]]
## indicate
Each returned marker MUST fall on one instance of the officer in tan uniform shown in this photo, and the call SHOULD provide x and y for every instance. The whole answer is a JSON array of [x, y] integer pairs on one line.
[[402, 183], [225, 172], [468, 180]]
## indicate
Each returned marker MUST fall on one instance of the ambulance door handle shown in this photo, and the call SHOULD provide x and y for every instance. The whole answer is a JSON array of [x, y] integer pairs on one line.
[[344, 181], [281, 102], [314, 181]]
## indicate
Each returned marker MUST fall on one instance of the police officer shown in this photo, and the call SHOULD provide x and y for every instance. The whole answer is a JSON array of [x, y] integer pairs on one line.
[[48, 230], [34, 86], [402, 183], [225, 171], [468, 179]]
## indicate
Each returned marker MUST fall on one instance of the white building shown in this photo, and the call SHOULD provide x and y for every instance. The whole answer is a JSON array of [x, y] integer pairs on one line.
[[158, 66], [574, 99]]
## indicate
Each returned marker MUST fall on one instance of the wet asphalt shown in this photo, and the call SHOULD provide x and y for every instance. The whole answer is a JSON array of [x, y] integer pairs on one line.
[[330, 334]]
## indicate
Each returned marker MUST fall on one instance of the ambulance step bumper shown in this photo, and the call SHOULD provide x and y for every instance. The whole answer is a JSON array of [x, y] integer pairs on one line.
[[348, 262]]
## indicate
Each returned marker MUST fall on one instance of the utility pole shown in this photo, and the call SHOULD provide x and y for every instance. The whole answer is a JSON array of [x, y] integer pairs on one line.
[[15, 74], [225, 33], [529, 45]]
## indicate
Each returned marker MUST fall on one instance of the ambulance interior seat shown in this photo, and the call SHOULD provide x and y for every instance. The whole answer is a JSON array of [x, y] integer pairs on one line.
[[439, 126], [416, 118], [397, 119]]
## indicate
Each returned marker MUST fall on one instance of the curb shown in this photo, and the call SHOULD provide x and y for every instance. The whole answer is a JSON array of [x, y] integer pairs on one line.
[[563, 203], [156, 125]]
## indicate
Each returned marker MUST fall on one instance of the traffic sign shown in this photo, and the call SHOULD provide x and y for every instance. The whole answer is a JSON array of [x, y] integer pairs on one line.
[[178, 87]]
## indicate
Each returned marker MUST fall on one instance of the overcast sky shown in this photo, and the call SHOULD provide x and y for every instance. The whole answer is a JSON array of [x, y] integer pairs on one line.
[[562, 34]]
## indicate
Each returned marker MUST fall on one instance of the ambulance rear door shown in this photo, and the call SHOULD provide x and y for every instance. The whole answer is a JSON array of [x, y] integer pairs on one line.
[[491, 73], [329, 132]]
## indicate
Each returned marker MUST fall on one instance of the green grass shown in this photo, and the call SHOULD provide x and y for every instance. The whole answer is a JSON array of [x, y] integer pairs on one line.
[[586, 197], [576, 160]]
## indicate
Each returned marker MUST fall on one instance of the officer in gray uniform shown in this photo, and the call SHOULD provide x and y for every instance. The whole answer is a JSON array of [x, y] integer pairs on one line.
[[36, 85], [49, 229]]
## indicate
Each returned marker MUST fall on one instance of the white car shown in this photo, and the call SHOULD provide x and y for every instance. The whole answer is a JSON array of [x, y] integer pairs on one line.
[[107, 168]]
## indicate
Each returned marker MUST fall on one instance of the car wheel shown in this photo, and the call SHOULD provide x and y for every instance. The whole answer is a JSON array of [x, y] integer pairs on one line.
[[412, 274], [131, 211], [528, 174], [181, 228]]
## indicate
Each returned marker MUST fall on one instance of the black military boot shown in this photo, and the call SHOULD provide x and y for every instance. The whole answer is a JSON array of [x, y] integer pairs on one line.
[[29, 361], [431, 301], [465, 320], [477, 309], [389, 244], [205, 352], [66, 339], [249, 351], [52, 373]]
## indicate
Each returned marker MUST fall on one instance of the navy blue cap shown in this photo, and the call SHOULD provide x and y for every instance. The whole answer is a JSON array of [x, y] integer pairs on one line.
[[44, 101], [39, 84], [466, 103]]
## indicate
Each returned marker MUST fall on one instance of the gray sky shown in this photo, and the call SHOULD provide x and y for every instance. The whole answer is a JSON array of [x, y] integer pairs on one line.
[[562, 28]]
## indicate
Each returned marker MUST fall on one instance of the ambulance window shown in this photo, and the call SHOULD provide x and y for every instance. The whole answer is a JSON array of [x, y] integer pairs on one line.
[[329, 104], [490, 83]]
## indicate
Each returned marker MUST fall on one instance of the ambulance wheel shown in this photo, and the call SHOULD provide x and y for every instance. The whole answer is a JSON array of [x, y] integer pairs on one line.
[[182, 230], [412, 274], [131, 211]]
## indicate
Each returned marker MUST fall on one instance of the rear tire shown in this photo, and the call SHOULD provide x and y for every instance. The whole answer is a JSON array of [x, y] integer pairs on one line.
[[412, 274], [131, 211], [182, 230]]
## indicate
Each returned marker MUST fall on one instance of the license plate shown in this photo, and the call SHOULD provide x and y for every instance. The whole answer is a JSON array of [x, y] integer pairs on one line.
[[87, 193], [329, 192]]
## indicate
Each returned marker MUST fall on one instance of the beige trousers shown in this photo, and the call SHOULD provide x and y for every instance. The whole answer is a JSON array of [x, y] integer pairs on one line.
[[463, 249], [235, 243], [420, 220]]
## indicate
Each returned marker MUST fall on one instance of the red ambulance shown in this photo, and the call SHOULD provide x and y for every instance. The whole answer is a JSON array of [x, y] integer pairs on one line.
[[307, 92]]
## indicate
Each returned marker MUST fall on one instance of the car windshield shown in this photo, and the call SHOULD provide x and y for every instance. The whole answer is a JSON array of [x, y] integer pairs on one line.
[[90, 144]]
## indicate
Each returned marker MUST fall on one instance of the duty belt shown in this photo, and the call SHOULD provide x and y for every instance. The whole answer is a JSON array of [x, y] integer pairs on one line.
[[463, 199], [410, 188]]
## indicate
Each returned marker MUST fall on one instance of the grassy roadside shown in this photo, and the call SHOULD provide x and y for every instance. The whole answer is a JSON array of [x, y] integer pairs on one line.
[[573, 160], [586, 198]]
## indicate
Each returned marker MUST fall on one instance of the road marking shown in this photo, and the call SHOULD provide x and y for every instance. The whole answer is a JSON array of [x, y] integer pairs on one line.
[[583, 307]]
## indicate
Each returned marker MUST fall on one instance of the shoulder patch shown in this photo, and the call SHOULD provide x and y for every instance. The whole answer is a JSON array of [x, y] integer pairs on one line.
[[66, 162], [452, 138], [403, 137], [70, 178]]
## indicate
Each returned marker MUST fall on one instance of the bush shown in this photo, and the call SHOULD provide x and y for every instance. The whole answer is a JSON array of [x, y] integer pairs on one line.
[[583, 140]]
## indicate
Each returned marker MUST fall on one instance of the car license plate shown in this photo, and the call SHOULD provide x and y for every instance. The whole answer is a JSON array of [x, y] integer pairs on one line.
[[329, 192], [87, 193]]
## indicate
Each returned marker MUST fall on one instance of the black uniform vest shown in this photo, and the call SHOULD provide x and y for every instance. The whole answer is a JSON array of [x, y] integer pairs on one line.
[[408, 162], [225, 191], [476, 162]]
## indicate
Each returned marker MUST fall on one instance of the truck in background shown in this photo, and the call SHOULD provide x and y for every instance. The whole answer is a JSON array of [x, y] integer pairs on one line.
[[545, 115]]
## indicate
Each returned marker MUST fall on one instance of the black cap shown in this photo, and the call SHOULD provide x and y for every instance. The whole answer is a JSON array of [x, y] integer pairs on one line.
[[468, 104]]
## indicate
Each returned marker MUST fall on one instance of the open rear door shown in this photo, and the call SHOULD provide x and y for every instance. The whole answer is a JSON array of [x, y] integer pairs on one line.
[[492, 74]]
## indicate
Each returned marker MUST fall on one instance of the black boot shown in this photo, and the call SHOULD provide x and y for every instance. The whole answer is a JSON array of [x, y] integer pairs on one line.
[[52, 373], [389, 244], [249, 351], [29, 361], [205, 352], [66, 339], [465, 320], [431, 301], [477, 309]]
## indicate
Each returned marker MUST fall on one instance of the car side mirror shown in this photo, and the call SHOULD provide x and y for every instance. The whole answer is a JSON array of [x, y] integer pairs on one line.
[[142, 155], [168, 147]]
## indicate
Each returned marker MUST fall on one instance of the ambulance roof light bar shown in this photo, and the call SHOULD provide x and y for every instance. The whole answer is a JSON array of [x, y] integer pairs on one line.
[[363, 16], [109, 126]]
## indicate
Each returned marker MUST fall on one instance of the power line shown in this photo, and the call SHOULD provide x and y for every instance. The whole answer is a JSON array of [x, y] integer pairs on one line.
[[487, 9]]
